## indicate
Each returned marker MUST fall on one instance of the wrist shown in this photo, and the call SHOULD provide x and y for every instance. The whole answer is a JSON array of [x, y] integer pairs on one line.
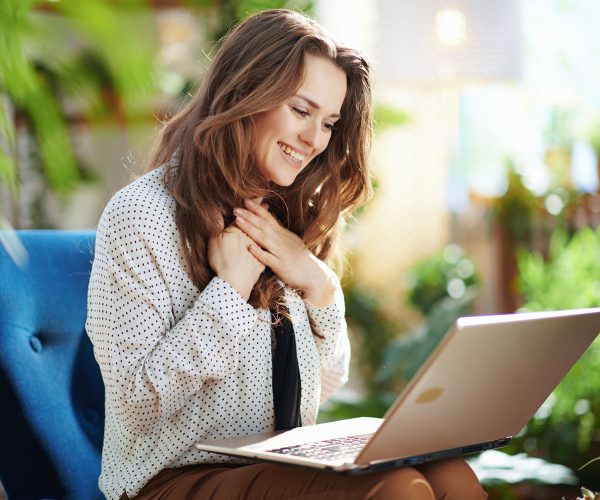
[[320, 289], [319, 298], [242, 290]]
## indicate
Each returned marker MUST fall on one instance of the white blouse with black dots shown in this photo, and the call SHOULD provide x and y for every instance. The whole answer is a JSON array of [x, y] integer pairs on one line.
[[180, 364]]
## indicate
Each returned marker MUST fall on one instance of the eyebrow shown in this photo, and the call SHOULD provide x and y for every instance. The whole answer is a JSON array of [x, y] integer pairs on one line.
[[313, 104]]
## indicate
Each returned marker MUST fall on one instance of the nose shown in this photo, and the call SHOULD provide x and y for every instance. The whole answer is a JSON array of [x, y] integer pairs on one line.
[[311, 134]]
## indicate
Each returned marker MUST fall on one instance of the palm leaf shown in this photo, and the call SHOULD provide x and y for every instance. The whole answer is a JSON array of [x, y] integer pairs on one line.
[[30, 93]]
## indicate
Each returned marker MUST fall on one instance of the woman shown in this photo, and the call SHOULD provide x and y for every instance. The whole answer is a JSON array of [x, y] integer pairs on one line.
[[212, 310]]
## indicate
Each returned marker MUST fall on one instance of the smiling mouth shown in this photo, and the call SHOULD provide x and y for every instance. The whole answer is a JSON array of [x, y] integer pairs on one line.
[[292, 154]]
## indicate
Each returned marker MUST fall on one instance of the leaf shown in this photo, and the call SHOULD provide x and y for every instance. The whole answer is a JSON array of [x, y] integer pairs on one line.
[[568, 279], [8, 164], [123, 72], [28, 91], [8, 171], [120, 39], [7, 130], [405, 355], [53, 141]]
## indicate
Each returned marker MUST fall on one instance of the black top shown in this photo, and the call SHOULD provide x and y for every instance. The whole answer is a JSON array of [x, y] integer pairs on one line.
[[286, 374]]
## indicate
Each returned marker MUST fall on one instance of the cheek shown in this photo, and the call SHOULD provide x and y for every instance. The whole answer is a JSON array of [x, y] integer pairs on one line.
[[262, 128], [326, 143], [262, 141], [271, 123]]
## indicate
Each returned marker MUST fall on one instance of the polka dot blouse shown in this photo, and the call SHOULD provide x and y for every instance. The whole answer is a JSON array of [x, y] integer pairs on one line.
[[181, 364]]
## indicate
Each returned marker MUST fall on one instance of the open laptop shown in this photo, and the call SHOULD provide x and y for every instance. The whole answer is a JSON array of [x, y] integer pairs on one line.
[[480, 386]]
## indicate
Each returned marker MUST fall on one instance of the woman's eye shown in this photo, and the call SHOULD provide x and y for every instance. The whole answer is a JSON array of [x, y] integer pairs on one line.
[[330, 127], [300, 112]]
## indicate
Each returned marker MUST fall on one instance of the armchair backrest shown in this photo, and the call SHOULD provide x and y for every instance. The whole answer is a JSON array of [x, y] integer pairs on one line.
[[51, 391]]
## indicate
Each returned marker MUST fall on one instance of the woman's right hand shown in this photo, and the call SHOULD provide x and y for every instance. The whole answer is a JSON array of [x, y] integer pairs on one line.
[[230, 259]]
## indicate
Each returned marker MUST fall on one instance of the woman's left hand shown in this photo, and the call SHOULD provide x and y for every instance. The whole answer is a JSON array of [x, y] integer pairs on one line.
[[285, 253]]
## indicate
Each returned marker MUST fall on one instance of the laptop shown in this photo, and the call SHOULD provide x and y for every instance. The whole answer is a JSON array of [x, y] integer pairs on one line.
[[479, 387]]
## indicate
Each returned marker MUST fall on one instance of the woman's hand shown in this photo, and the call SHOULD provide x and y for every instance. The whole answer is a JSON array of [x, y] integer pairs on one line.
[[231, 260], [285, 253]]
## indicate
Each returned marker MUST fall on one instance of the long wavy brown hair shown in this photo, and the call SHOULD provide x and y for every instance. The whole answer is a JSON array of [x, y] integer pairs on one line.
[[258, 67]]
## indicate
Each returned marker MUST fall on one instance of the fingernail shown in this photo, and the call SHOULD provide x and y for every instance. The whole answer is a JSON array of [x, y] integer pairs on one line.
[[237, 211], [240, 220]]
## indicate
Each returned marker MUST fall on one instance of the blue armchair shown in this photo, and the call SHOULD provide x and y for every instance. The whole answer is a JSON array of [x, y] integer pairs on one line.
[[51, 392]]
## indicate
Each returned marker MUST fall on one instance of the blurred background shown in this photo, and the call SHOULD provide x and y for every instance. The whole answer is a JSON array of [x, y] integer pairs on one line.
[[486, 172]]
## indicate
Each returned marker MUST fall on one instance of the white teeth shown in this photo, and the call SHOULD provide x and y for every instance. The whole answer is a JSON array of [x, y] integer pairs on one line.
[[290, 152]]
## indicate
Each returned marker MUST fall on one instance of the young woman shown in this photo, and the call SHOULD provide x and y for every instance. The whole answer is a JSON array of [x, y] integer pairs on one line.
[[213, 308]]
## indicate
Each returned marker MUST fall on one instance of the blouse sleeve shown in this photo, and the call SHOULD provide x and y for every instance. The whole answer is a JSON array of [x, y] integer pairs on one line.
[[334, 347], [152, 363]]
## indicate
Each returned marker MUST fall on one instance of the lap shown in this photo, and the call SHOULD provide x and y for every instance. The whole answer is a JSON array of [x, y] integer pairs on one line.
[[443, 479]]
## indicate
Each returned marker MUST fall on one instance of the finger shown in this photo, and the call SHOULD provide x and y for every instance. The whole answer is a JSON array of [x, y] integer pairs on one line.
[[253, 232], [261, 211], [264, 257], [251, 217], [263, 225]]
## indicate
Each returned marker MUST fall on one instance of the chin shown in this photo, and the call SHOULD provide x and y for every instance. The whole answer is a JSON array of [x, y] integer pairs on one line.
[[283, 180], [283, 184]]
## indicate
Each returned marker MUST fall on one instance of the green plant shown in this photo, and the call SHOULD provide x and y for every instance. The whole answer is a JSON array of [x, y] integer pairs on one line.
[[516, 209], [62, 62], [448, 274], [37, 82], [564, 428], [405, 355], [387, 359], [442, 288], [28, 91]]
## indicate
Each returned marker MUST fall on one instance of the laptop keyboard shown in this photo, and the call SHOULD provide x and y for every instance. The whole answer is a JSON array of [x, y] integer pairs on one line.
[[329, 449]]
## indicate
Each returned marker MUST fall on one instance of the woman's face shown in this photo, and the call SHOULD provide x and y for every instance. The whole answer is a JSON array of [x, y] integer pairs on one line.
[[289, 136]]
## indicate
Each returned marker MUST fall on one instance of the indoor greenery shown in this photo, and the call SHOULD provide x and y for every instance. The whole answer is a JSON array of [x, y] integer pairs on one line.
[[446, 274], [441, 287], [567, 425], [59, 59], [516, 209]]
